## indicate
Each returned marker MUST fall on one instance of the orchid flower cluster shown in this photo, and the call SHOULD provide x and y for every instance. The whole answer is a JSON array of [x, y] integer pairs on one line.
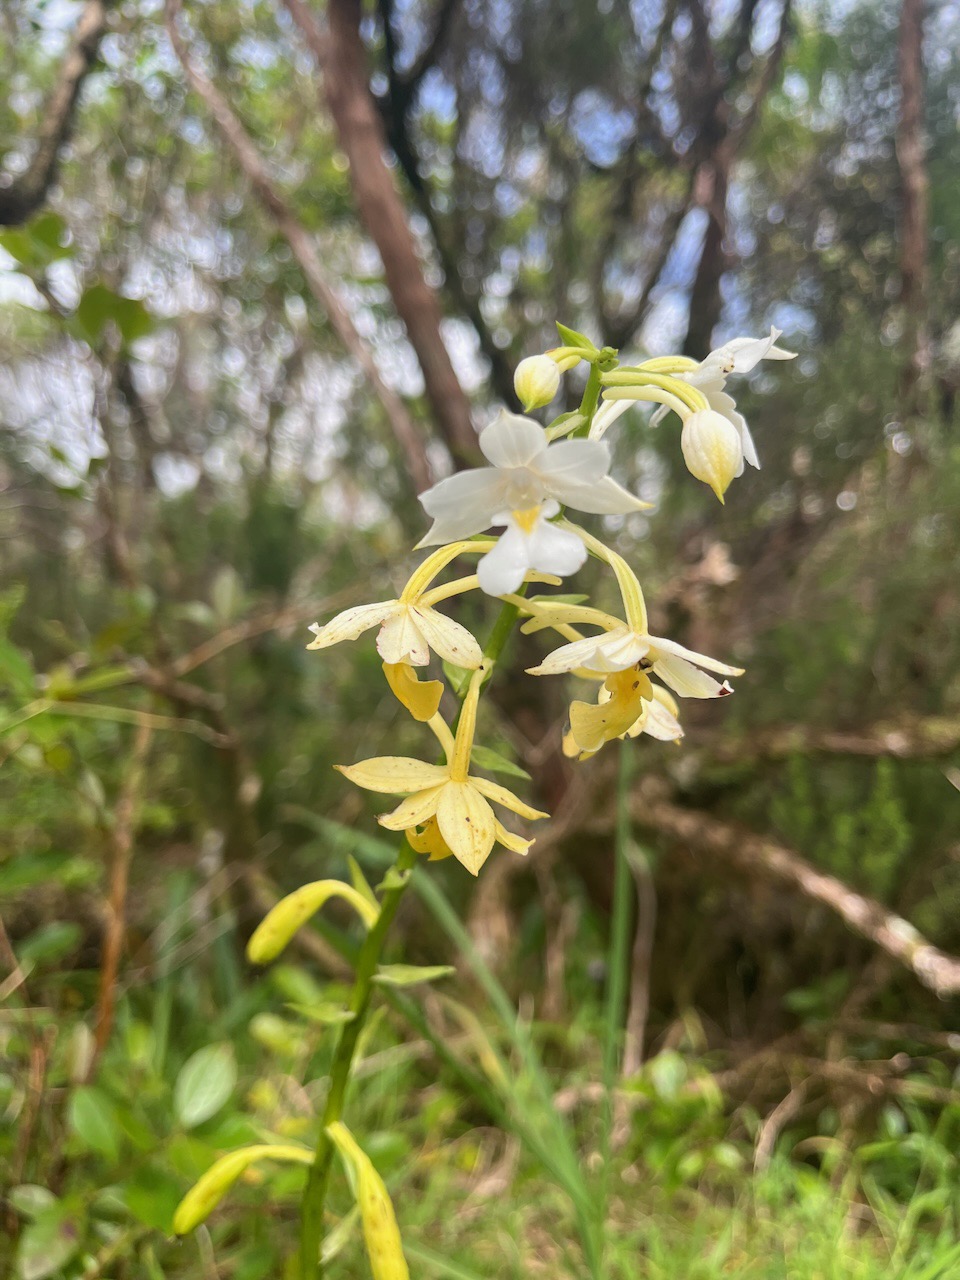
[[534, 475]]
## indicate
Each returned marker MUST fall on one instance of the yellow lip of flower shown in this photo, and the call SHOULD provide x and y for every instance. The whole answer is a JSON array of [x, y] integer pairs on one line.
[[658, 718], [420, 697], [459, 802], [593, 724]]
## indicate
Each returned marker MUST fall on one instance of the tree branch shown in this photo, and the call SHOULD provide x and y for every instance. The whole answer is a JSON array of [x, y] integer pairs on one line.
[[404, 429], [760, 856], [922, 738], [27, 194], [341, 56]]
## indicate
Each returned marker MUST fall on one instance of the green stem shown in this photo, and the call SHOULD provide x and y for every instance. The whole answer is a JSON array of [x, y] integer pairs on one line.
[[315, 1192], [591, 398], [618, 962]]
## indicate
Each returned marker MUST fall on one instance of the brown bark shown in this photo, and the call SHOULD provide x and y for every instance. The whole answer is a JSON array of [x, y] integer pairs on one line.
[[342, 59], [911, 158], [121, 855], [759, 856], [728, 138], [27, 194], [404, 429]]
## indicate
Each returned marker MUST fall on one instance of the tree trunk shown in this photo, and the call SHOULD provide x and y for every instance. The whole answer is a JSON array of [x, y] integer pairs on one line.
[[361, 134], [911, 158]]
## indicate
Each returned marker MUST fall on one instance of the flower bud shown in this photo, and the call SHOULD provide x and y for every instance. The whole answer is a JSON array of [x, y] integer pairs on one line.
[[712, 449], [536, 381]]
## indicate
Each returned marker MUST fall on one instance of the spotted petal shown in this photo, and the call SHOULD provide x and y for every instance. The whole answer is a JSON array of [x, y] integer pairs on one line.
[[350, 624], [448, 639], [401, 640], [467, 824]]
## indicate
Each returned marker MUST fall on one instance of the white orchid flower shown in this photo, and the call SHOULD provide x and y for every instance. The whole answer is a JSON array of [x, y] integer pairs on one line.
[[739, 355], [526, 471], [529, 542]]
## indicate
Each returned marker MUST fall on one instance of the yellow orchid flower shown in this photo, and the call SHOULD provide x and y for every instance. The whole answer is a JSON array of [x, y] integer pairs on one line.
[[658, 718], [410, 626], [458, 801]]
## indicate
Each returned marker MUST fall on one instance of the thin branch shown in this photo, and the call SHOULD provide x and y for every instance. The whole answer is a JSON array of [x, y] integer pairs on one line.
[[757, 855], [404, 429], [919, 739], [121, 854], [27, 194]]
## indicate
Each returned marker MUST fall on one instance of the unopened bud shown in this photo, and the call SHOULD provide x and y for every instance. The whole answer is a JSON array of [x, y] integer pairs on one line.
[[712, 449], [536, 381]]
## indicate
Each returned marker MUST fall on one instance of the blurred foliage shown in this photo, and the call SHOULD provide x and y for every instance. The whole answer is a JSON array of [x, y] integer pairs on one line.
[[191, 471]]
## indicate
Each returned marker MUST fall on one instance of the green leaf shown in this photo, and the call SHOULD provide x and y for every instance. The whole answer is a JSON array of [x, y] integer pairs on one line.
[[204, 1084], [48, 1244], [93, 1118], [30, 1200], [394, 879], [410, 975], [360, 882], [494, 762], [457, 677], [572, 338], [99, 306], [152, 1196]]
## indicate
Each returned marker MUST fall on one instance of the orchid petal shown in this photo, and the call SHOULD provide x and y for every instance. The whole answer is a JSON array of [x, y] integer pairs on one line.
[[701, 659], [512, 440], [413, 811], [467, 824], [501, 795], [394, 775], [687, 680], [604, 497], [510, 840], [350, 624], [401, 640], [448, 639], [421, 698], [463, 504], [580, 461]]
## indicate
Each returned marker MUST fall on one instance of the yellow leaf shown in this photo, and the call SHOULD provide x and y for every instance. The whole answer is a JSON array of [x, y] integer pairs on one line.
[[380, 1231], [282, 921], [202, 1198]]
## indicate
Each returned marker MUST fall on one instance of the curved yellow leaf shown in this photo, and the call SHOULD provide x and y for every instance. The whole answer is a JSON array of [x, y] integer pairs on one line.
[[280, 923], [204, 1196], [380, 1231]]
